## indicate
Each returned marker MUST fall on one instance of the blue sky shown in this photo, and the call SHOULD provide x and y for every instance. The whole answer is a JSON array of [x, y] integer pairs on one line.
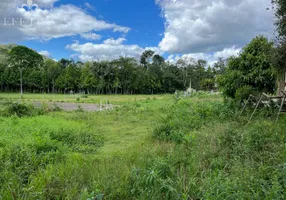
[[91, 30], [123, 12]]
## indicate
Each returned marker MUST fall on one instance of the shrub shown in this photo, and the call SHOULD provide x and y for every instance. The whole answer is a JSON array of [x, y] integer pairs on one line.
[[153, 183], [20, 110], [244, 92], [183, 118]]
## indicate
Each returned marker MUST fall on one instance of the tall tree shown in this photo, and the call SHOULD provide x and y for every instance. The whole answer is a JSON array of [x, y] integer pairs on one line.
[[148, 54], [87, 79], [52, 71], [24, 58], [279, 56]]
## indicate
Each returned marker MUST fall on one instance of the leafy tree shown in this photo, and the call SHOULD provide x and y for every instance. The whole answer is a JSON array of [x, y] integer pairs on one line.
[[279, 55], [65, 62], [280, 12], [87, 79], [158, 60], [52, 71], [220, 66], [252, 69], [148, 54], [24, 58]]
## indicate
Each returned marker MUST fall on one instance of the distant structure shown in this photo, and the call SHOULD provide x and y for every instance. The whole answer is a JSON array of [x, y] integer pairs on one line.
[[190, 90]]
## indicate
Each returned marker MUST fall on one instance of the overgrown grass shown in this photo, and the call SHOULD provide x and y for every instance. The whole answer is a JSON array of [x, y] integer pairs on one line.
[[153, 148]]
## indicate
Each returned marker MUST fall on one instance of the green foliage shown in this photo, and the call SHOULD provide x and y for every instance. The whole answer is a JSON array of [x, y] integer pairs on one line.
[[112, 155], [252, 70], [22, 110], [145, 56], [21, 56], [19, 110], [28, 149], [278, 57], [79, 141], [244, 92], [120, 76], [185, 117], [154, 182], [280, 11]]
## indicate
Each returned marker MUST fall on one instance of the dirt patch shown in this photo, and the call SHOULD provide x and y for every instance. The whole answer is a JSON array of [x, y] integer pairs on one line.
[[76, 106]]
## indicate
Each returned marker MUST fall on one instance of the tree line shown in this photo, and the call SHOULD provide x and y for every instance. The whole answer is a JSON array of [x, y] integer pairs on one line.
[[23, 68]]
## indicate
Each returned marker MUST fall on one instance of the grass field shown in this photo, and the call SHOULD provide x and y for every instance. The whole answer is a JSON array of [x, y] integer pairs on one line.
[[115, 99], [150, 147]]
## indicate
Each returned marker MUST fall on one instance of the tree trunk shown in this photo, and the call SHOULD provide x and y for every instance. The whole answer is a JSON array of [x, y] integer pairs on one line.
[[281, 84], [53, 87], [21, 81]]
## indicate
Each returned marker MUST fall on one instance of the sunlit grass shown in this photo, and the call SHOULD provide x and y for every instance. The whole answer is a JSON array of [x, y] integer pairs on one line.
[[122, 154]]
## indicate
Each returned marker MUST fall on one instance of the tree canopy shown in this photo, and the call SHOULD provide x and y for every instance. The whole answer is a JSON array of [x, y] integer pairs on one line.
[[250, 72], [279, 53]]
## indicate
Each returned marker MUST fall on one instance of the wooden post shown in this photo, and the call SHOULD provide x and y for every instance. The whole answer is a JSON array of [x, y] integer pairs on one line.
[[245, 105], [281, 84], [255, 108], [281, 107]]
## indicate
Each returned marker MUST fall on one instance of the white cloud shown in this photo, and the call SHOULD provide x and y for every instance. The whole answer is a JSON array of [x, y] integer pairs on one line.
[[45, 3], [45, 53], [110, 49], [89, 6], [211, 25], [112, 41], [227, 52], [48, 22], [210, 58], [66, 20], [90, 36]]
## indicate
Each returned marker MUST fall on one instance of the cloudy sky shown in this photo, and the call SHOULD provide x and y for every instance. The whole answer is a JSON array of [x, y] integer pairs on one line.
[[107, 29]]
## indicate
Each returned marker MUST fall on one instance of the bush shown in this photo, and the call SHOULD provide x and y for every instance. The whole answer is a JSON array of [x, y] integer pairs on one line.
[[183, 118], [20, 110], [244, 92], [155, 182]]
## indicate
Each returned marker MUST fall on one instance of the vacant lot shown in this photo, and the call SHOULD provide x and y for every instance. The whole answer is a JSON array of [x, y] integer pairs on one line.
[[148, 147]]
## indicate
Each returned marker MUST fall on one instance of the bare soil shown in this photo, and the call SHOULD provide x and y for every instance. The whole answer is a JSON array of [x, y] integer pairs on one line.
[[76, 106]]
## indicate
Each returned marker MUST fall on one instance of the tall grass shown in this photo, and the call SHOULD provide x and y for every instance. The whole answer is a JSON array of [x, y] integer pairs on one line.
[[189, 148]]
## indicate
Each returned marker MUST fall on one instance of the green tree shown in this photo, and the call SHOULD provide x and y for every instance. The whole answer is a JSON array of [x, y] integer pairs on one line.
[[252, 69], [144, 60], [279, 55], [52, 71], [87, 79], [220, 66], [24, 58]]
